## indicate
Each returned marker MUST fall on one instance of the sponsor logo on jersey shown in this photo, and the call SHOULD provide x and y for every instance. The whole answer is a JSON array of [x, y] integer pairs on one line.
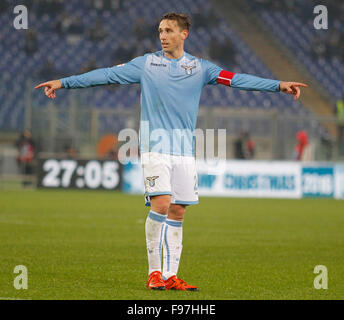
[[158, 64]]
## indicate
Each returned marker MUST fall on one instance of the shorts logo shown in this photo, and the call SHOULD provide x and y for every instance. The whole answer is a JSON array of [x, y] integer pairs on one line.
[[188, 69], [151, 180]]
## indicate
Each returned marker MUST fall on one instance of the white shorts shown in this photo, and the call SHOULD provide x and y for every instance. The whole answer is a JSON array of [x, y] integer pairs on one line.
[[171, 175]]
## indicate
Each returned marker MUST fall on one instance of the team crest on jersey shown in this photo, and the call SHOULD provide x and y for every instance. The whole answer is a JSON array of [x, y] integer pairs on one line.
[[151, 180], [188, 69]]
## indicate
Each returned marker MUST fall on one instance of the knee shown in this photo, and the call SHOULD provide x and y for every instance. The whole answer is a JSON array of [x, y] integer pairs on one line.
[[161, 204], [176, 212]]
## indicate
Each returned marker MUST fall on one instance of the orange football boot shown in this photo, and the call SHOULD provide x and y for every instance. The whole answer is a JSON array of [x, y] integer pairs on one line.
[[174, 283], [155, 281]]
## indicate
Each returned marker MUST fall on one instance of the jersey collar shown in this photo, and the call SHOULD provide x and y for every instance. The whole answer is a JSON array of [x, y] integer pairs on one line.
[[163, 53]]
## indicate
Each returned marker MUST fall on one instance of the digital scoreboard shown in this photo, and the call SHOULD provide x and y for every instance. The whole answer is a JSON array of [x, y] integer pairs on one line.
[[79, 174]]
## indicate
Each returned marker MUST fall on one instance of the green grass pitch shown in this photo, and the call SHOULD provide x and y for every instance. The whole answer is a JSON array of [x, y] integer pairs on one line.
[[91, 245]]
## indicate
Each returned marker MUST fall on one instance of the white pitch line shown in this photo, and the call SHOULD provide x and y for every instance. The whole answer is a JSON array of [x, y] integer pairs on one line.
[[8, 298]]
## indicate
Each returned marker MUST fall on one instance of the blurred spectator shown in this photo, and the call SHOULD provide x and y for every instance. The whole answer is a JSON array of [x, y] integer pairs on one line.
[[244, 147], [63, 24], [222, 52], [72, 27], [76, 27], [56, 6], [215, 50], [25, 158], [50, 7], [339, 112], [116, 4], [212, 19], [98, 32], [3, 6], [249, 147], [340, 48], [70, 152], [326, 144], [107, 147], [318, 47], [199, 19], [299, 7], [228, 53], [112, 154], [302, 143], [31, 42], [238, 148], [89, 66], [75, 30], [141, 29], [108, 5], [28, 3], [48, 70], [145, 47], [154, 31], [123, 53], [98, 4], [335, 9], [333, 44]]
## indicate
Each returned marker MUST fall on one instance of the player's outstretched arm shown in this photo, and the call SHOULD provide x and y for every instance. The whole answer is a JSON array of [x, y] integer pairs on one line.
[[50, 87], [253, 83], [125, 74], [292, 88]]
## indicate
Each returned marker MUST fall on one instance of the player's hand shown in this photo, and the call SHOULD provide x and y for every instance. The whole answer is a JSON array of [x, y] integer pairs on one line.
[[292, 88], [50, 87]]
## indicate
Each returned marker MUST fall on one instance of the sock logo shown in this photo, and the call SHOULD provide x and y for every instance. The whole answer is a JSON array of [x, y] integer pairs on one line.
[[151, 180]]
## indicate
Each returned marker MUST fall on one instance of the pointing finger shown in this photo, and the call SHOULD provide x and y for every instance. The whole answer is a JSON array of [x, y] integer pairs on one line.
[[45, 84], [299, 84]]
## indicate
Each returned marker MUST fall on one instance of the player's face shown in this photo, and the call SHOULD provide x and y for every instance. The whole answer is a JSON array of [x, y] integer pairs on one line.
[[171, 35]]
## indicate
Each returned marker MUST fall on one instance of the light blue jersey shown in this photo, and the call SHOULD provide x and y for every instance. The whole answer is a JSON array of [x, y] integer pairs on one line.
[[170, 95]]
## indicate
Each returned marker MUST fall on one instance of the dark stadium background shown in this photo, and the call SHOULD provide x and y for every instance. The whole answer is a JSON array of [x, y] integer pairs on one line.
[[271, 39]]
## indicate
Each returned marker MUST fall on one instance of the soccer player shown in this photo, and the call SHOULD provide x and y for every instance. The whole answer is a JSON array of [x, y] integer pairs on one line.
[[171, 83]]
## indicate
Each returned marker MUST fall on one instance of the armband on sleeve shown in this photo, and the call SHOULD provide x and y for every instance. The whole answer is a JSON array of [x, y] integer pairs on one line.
[[225, 77]]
